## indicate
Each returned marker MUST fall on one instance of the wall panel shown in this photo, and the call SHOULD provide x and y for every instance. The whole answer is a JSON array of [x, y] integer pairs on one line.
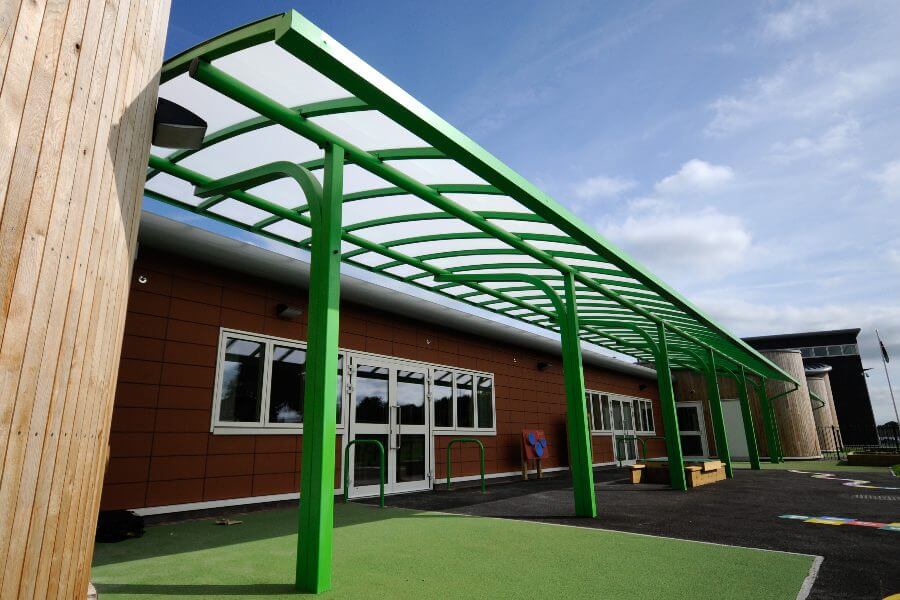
[[76, 106]]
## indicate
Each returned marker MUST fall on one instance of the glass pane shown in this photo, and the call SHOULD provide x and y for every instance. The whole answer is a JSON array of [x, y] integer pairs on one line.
[[485, 402], [806, 352], [465, 407], [605, 411], [288, 378], [410, 458], [597, 412], [241, 399], [627, 417], [850, 349], [411, 397], [638, 416], [835, 350], [648, 421], [820, 351], [340, 389], [367, 460], [617, 414], [371, 394], [443, 399], [691, 445], [688, 420]]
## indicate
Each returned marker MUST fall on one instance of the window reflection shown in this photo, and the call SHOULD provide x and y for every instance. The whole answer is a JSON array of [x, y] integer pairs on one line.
[[443, 399], [371, 394], [241, 395], [465, 408], [288, 385], [485, 402], [411, 397]]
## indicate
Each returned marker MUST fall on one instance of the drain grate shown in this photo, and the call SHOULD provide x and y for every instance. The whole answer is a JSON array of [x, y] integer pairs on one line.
[[873, 497]]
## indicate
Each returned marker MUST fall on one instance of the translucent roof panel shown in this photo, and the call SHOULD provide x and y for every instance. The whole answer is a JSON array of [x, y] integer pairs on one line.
[[421, 200]]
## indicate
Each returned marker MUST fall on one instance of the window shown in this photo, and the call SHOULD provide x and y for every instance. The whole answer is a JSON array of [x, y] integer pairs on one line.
[[806, 352], [443, 398], [598, 405], [820, 351], [260, 384], [644, 412], [465, 406], [835, 350], [851, 349], [462, 401], [613, 412]]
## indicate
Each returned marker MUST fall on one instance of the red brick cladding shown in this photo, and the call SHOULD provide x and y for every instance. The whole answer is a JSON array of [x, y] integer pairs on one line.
[[161, 449]]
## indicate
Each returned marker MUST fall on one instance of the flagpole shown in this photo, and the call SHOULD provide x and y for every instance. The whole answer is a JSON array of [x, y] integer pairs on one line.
[[888, 377]]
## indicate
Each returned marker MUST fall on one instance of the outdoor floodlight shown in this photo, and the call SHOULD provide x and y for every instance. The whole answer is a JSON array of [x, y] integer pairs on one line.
[[287, 312], [174, 126]]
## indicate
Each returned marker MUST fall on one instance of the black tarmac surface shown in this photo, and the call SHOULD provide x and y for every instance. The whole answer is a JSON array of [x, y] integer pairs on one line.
[[860, 563]]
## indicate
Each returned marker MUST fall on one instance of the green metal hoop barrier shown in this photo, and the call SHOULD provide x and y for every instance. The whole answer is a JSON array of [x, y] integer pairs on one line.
[[461, 440], [620, 439], [380, 469]]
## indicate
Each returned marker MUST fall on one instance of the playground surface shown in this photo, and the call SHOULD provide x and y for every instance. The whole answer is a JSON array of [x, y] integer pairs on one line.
[[832, 466], [402, 553], [860, 563]]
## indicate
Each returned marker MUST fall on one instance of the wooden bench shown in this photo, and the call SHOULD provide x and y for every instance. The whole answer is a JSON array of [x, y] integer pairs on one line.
[[697, 473]]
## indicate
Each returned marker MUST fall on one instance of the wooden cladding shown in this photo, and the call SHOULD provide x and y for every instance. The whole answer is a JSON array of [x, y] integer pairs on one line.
[[793, 412], [79, 82]]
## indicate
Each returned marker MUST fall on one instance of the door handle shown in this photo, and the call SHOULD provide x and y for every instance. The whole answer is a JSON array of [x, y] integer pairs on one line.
[[399, 429]]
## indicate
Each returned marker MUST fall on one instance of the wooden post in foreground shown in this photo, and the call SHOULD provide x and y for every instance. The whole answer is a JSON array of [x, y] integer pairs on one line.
[[79, 84]]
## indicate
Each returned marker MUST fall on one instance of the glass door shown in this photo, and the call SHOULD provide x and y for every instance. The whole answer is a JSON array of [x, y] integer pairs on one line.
[[623, 425], [388, 404], [691, 429]]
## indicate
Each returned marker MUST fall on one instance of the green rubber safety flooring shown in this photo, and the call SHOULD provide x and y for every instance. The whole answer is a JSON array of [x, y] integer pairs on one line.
[[399, 553]]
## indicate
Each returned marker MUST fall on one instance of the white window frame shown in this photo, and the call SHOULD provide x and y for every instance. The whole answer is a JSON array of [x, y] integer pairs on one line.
[[263, 426], [635, 402], [455, 372]]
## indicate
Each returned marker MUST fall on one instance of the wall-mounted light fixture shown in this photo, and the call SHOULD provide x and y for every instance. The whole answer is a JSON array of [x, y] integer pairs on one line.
[[287, 312], [543, 366], [142, 279], [174, 126], [642, 386]]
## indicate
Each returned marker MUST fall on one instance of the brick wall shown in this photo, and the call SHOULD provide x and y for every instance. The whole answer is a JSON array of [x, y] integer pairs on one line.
[[161, 449]]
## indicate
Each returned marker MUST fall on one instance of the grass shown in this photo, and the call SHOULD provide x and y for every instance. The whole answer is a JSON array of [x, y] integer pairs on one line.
[[824, 466], [398, 554], [896, 470]]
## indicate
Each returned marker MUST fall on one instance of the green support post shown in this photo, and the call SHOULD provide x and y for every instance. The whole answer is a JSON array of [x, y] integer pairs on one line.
[[669, 414], [580, 451], [715, 411], [747, 415], [772, 441], [314, 543]]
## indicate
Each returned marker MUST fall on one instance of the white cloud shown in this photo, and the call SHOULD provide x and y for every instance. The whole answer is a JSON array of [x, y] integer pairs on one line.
[[602, 186], [694, 176], [796, 20], [833, 140], [804, 89], [889, 178], [893, 256], [704, 244]]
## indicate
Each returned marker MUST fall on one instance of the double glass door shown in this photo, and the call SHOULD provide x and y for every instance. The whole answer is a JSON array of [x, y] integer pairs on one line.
[[623, 425], [691, 429], [388, 403]]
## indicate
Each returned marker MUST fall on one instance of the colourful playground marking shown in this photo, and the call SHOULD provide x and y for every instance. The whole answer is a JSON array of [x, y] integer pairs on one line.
[[835, 521], [859, 483]]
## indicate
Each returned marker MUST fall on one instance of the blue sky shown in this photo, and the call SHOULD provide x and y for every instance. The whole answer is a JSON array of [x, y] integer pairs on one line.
[[746, 152]]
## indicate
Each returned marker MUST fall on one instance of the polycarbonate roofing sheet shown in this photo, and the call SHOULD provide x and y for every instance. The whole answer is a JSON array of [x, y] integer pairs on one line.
[[397, 231]]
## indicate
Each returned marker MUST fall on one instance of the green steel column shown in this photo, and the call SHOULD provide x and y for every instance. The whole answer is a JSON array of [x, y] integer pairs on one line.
[[317, 468], [718, 419], [669, 414], [580, 455], [768, 423], [747, 415]]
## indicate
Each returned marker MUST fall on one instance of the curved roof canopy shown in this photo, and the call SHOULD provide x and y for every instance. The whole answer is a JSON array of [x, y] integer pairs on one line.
[[421, 200]]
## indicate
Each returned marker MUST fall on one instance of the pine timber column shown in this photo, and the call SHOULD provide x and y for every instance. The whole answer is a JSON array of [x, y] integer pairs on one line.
[[78, 84], [793, 412], [819, 385]]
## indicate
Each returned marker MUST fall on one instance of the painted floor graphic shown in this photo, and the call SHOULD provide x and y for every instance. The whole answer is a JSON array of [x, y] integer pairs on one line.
[[857, 483], [824, 520]]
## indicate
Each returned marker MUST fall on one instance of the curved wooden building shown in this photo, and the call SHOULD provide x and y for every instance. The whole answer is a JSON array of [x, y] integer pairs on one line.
[[793, 412], [827, 427]]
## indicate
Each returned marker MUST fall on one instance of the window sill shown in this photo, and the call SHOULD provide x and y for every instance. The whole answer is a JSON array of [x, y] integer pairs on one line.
[[459, 432]]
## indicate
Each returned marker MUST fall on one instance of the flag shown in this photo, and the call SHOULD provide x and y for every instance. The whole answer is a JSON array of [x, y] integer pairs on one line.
[[884, 353]]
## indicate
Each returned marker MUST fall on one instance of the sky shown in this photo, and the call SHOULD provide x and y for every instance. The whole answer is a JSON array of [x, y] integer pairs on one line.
[[746, 152]]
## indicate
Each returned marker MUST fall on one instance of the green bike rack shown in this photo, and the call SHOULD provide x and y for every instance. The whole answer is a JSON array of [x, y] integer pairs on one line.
[[460, 440], [642, 440], [380, 469]]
